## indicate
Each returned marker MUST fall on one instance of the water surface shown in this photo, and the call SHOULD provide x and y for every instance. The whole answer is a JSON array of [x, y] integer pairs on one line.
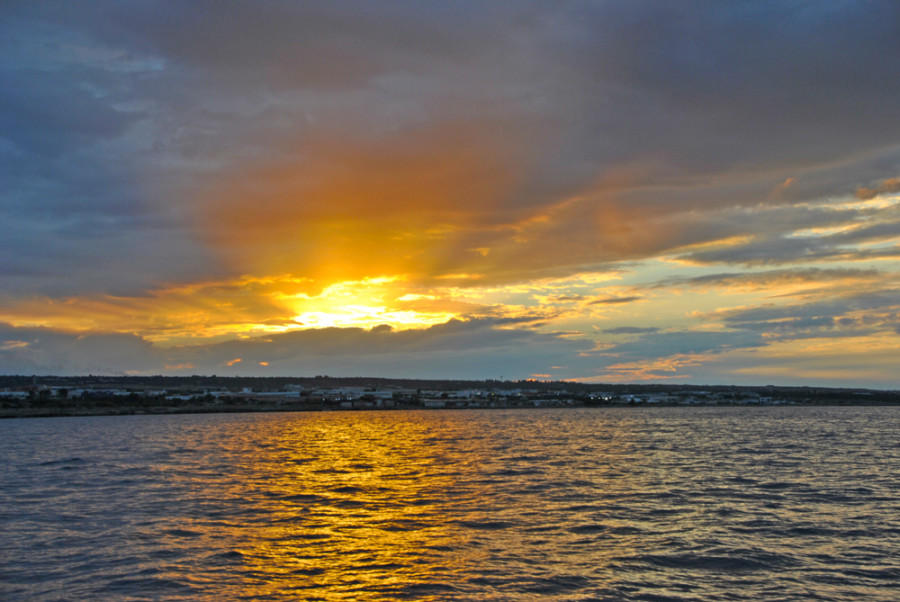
[[785, 503]]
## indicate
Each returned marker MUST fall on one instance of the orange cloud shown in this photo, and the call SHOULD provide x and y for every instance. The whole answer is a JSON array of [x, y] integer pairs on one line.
[[890, 185], [409, 202], [240, 308], [179, 367], [169, 314], [455, 199], [666, 368]]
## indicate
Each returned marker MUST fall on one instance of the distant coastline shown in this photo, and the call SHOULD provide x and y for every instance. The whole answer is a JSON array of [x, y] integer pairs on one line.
[[56, 396]]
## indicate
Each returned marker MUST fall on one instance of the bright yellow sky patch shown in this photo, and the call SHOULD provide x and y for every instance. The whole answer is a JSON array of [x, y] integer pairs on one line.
[[872, 357]]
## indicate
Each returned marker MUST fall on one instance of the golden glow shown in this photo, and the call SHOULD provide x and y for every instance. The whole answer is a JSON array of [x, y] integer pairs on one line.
[[360, 192], [823, 231], [366, 317], [240, 308], [343, 489], [666, 368], [7, 345], [872, 357], [565, 307], [255, 306], [731, 241], [419, 201], [364, 304], [459, 276]]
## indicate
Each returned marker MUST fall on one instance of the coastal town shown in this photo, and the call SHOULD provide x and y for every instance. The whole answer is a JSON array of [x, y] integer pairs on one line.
[[34, 396]]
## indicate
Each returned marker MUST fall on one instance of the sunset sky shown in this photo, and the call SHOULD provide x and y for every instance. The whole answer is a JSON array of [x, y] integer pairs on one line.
[[602, 191]]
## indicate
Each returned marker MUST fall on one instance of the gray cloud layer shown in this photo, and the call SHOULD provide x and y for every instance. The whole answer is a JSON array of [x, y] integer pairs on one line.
[[475, 348], [114, 112], [670, 124]]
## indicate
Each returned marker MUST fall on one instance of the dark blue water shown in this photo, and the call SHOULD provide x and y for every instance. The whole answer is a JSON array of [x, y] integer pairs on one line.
[[558, 504]]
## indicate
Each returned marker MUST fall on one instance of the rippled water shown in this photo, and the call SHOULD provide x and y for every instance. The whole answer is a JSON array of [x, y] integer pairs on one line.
[[565, 504]]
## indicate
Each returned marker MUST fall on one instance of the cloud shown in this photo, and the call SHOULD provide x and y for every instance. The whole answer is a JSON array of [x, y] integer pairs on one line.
[[418, 202], [862, 361], [483, 348], [43, 351], [662, 369], [774, 280], [890, 185], [829, 230], [197, 172], [665, 344], [842, 314], [631, 330], [614, 300], [442, 131]]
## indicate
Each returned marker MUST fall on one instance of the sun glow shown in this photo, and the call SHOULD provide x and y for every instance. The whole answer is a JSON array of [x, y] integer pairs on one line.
[[365, 304], [364, 316], [239, 309]]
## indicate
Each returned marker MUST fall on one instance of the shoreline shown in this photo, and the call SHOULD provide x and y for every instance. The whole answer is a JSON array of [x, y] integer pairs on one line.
[[61, 412]]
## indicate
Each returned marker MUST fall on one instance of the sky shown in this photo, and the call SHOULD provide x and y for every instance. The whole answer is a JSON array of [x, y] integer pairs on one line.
[[600, 191]]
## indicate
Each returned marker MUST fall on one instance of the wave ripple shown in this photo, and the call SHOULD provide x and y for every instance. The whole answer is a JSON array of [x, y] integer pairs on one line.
[[557, 504]]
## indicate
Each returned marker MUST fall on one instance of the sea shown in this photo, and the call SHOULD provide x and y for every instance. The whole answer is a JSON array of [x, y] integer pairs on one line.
[[650, 503]]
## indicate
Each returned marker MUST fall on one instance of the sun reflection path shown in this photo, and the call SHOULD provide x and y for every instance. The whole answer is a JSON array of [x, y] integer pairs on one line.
[[352, 506], [407, 505]]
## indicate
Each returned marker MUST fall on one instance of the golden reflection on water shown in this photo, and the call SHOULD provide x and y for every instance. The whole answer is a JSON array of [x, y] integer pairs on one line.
[[353, 504], [388, 505], [506, 505]]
